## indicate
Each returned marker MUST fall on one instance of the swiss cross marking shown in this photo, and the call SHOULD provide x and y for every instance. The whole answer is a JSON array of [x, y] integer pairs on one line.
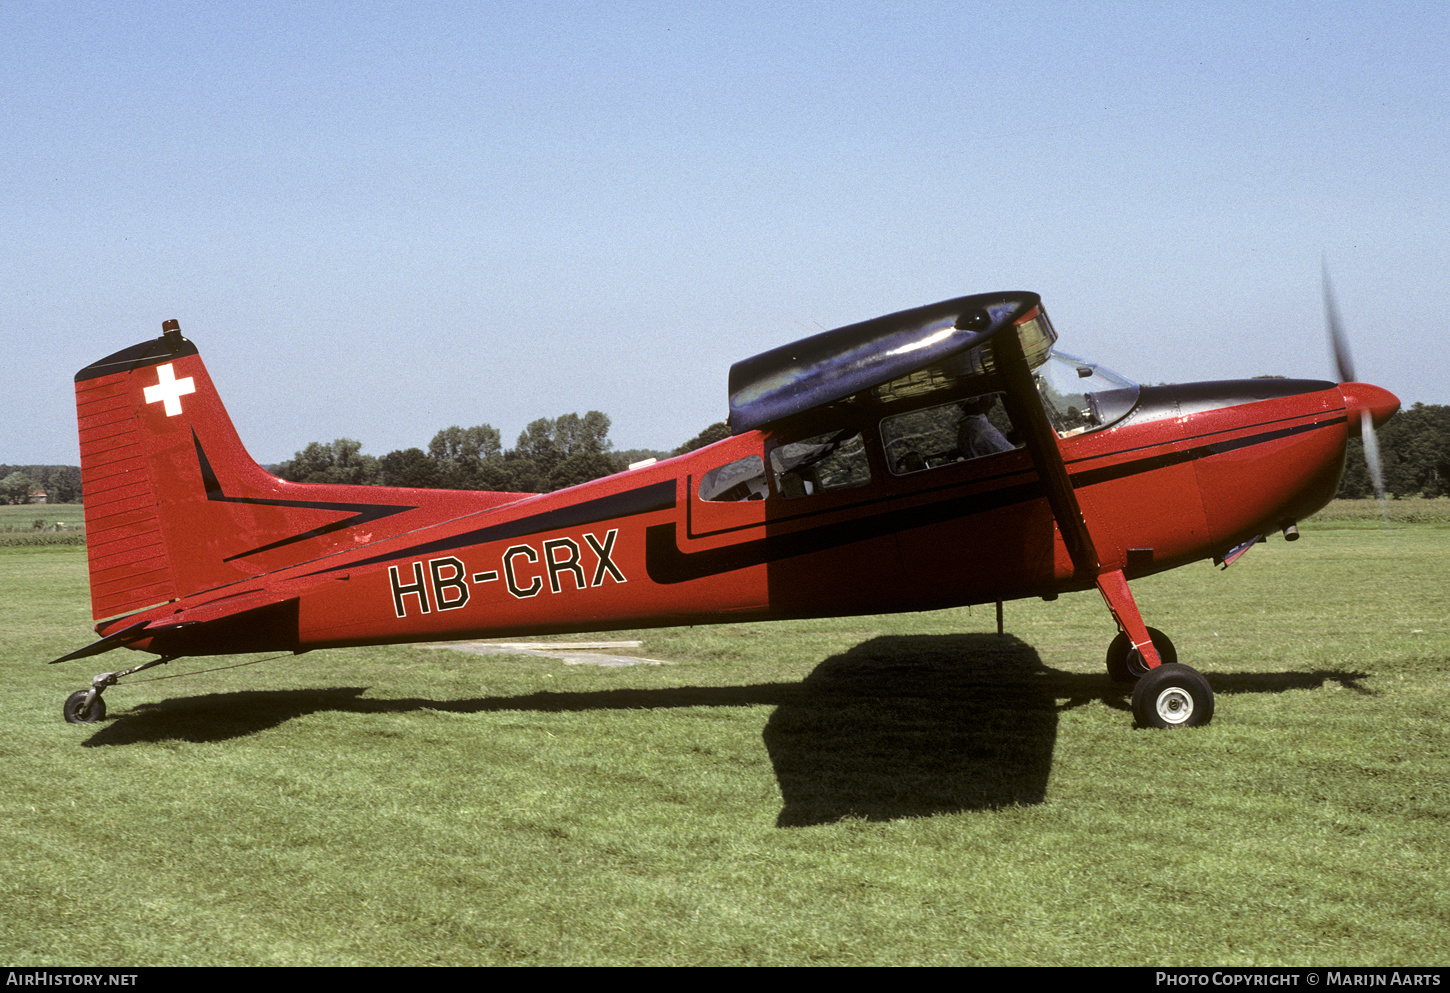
[[169, 390]]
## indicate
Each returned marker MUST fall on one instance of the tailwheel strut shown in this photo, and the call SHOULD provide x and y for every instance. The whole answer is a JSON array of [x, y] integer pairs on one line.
[[87, 707]]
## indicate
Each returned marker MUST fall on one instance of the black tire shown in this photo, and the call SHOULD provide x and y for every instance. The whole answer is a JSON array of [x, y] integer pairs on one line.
[[1121, 657], [1173, 696], [74, 714]]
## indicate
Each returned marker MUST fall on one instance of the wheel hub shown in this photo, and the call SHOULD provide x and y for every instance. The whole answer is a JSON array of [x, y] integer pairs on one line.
[[1174, 705]]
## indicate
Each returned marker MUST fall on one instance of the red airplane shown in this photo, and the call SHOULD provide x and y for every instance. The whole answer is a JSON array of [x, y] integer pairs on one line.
[[936, 457]]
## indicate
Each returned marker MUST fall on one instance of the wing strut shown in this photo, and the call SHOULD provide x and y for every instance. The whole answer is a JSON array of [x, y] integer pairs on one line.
[[1041, 442]]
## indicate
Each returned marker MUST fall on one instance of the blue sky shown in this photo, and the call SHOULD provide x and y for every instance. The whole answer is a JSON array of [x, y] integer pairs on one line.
[[378, 220]]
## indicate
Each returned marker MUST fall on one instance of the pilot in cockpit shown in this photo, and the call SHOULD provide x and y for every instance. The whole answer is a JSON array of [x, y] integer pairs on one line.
[[976, 436]]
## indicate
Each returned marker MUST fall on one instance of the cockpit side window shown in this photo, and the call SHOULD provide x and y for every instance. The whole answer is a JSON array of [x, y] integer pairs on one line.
[[951, 432], [743, 479], [1082, 396], [832, 461]]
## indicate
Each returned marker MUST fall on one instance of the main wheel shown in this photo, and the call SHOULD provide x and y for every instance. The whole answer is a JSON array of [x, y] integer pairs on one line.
[[1173, 696], [1125, 664], [75, 715]]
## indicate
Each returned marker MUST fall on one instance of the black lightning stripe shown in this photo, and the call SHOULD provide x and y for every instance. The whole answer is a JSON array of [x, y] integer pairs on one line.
[[363, 513], [666, 564], [1092, 477], [645, 500]]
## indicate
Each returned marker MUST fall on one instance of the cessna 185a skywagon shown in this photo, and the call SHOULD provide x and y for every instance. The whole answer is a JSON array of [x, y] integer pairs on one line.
[[936, 457]]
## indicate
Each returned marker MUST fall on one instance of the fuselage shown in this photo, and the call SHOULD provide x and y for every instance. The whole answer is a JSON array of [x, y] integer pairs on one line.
[[853, 508]]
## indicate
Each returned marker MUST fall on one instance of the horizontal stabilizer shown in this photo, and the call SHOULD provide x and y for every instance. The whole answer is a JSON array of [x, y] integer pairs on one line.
[[125, 636]]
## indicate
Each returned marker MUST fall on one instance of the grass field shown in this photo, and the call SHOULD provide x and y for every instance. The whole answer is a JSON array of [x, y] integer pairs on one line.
[[32, 525], [874, 790], [22, 517]]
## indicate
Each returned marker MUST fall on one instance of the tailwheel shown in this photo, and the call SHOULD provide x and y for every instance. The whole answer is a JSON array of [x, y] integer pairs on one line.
[[86, 706], [1172, 696], [78, 711], [1125, 663]]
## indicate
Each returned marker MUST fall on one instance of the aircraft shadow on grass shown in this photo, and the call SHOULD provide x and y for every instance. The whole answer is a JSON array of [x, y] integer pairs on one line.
[[898, 726]]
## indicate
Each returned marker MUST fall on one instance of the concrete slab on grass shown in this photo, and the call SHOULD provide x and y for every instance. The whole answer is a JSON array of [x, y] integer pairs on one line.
[[572, 652]]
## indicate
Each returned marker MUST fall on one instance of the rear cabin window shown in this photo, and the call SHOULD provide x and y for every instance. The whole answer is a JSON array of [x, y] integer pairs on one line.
[[833, 461], [947, 433], [743, 479]]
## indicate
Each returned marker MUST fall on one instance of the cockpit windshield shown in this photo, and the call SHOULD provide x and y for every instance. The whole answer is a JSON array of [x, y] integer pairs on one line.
[[1082, 396]]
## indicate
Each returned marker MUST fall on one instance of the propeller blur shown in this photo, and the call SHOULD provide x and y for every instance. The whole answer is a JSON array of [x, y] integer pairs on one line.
[[1374, 407]]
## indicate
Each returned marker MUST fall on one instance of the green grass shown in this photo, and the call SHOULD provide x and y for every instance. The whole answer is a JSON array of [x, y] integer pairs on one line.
[[1411, 510], [872, 790], [20, 517]]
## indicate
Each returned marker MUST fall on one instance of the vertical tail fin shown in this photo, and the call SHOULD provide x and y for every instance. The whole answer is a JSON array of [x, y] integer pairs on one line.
[[175, 506]]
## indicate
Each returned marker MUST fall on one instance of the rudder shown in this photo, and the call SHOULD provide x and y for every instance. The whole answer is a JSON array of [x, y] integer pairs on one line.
[[129, 564]]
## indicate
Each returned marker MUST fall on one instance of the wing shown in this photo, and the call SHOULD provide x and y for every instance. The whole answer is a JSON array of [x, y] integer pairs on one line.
[[833, 365]]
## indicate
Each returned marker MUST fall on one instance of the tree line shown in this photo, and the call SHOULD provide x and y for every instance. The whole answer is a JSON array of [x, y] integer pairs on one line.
[[59, 483], [550, 454], [1414, 454], [553, 453]]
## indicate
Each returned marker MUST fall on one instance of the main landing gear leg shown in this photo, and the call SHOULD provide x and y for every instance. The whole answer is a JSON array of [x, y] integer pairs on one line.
[[1166, 694], [1114, 588], [87, 707]]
